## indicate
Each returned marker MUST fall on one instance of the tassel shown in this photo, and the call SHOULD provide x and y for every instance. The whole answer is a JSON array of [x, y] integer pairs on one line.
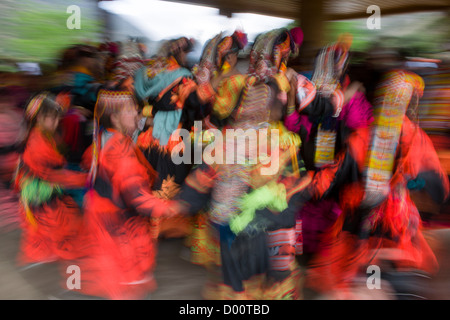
[[30, 217], [226, 67], [283, 67]]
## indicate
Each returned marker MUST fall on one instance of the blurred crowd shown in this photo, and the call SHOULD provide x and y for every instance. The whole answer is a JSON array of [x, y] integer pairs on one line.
[[362, 149]]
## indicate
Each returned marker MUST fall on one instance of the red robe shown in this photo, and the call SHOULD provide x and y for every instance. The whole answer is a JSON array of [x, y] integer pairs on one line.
[[118, 243], [50, 231]]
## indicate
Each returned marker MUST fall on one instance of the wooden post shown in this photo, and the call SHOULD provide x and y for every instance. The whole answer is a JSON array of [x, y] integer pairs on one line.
[[312, 20]]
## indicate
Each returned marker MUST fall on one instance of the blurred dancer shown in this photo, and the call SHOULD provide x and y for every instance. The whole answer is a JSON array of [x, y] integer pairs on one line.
[[380, 225], [12, 135], [217, 73], [117, 246], [251, 213], [80, 74], [130, 59], [51, 218], [79, 78], [325, 113], [226, 80], [159, 83], [434, 119]]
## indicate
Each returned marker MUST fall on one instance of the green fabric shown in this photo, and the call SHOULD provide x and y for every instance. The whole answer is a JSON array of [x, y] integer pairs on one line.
[[271, 196], [36, 191]]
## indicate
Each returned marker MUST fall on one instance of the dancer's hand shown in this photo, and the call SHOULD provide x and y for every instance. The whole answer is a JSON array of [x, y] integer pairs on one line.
[[352, 89], [290, 73], [174, 208]]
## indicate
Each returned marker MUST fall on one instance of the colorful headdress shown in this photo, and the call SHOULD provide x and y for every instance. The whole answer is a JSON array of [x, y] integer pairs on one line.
[[129, 60], [35, 104], [108, 102], [297, 37], [269, 51], [207, 64], [64, 99], [176, 46], [111, 48], [330, 64], [237, 41]]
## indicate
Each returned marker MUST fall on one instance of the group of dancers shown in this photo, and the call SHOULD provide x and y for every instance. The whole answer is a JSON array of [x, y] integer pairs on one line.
[[98, 185]]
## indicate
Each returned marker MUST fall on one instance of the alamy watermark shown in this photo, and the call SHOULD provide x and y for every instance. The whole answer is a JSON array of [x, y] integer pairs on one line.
[[231, 146], [74, 20], [374, 279], [374, 21], [74, 280]]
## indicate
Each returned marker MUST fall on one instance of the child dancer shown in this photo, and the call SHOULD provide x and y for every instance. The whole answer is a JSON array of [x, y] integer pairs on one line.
[[118, 246], [51, 218]]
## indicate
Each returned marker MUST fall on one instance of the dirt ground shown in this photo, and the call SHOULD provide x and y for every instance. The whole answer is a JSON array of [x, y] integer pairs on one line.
[[177, 278]]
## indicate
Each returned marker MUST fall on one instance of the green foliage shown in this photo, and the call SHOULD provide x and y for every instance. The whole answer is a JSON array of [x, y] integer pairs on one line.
[[38, 32], [415, 34]]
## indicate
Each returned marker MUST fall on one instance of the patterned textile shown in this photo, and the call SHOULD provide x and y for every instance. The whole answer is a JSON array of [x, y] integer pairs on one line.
[[129, 61], [257, 288], [380, 227], [233, 182], [266, 54], [149, 82], [281, 245], [330, 64], [306, 92], [238, 197], [392, 100], [325, 144], [207, 66], [233, 43], [254, 107], [325, 124], [241, 240], [173, 47]]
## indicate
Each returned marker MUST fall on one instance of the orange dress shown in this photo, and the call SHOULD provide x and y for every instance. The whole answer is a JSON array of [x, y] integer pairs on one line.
[[118, 245], [51, 219]]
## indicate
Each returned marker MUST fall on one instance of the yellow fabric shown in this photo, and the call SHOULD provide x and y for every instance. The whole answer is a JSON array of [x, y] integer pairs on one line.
[[228, 95], [283, 82]]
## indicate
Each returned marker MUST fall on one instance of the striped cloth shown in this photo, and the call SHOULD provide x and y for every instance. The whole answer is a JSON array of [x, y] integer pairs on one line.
[[281, 245], [391, 103]]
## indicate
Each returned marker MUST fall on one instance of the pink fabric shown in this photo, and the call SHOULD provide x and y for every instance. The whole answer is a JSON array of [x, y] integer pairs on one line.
[[297, 35], [295, 121], [315, 218], [292, 122], [357, 113]]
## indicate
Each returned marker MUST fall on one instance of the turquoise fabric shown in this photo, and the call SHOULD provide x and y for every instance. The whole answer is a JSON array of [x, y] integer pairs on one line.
[[164, 124], [82, 84], [150, 88]]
